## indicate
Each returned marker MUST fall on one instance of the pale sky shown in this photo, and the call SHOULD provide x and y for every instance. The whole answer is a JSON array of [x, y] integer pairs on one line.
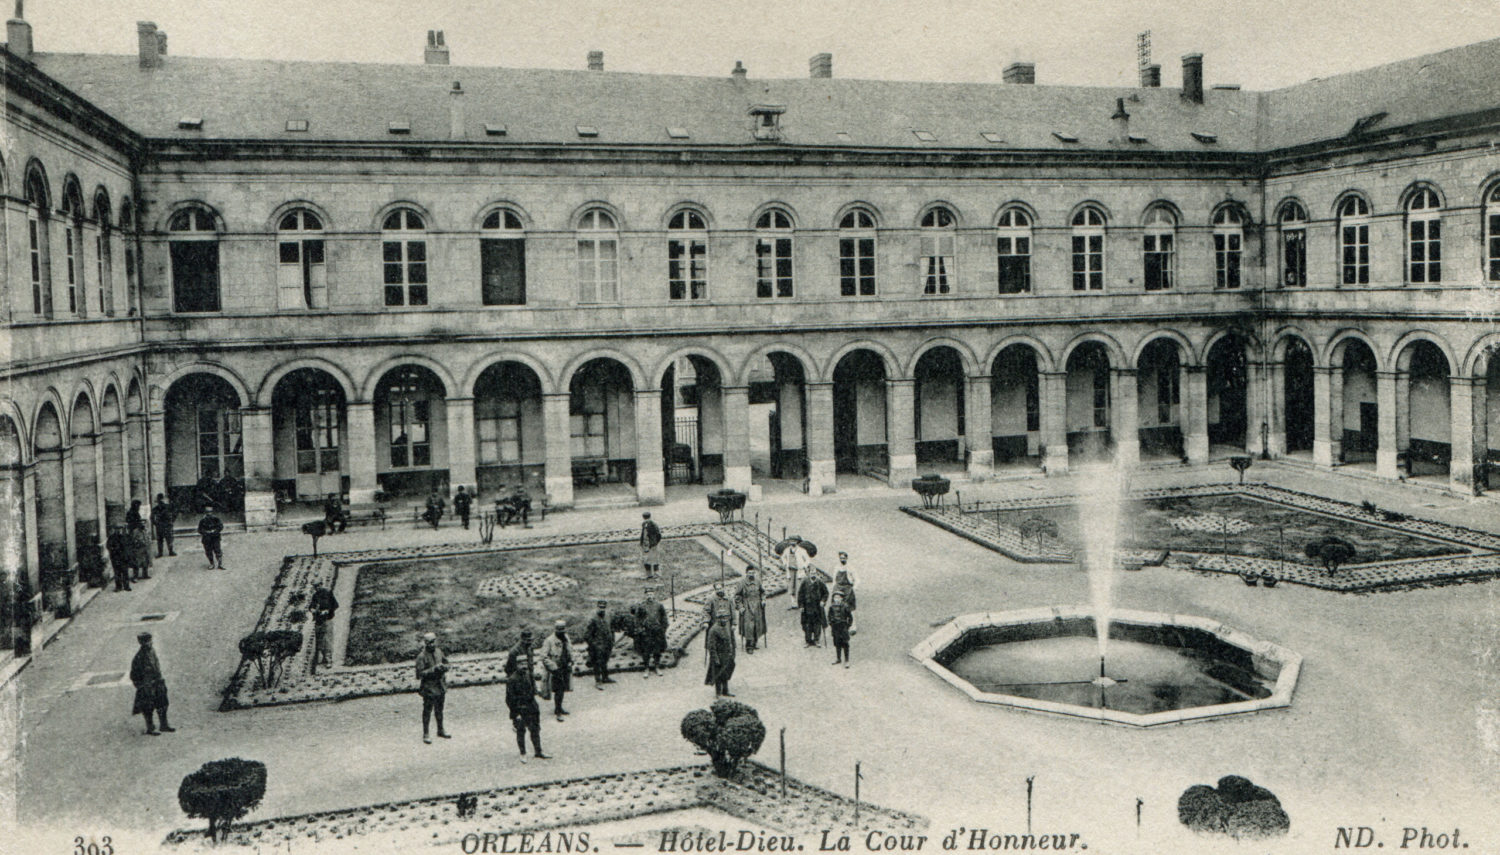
[[1261, 44]]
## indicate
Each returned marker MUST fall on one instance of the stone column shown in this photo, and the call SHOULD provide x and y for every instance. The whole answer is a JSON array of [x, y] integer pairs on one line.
[[260, 500], [650, 479], [461, 466], [1385, 401], [978, 428], [822, 472], [558, 469], [70, 522], [1468, 402], [1195, 414], [156, 440], [33, 547], [1054, 414], [736, 437], [900, 431], [360, 445], [1403, 411], [1276, 408], [1257, 409], [115, 469], [1125, 417]]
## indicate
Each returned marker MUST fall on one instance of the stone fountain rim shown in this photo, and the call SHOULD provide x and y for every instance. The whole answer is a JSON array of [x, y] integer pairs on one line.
[[1289, 661]]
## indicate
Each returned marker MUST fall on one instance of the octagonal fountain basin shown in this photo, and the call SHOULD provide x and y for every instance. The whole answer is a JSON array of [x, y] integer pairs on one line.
[[1156, 668]]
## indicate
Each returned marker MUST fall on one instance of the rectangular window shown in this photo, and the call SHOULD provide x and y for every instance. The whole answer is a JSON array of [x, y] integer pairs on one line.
[[1101, 398], [502, 272], [1015, 264], [1033, 401], [500, 432], [1426, 248], [1158, 249], [1088, 262], [1494, 247], [1168, 392], [687, 268], [1294, 258], [1227, 252], [857, 267], [72, 272], [405, 272], [99, 271], [773, 267], [41, 296], [936, 264], [317, 429], [1355, 260], [598, 276], [220, 451], [301, 277], [586, 422], [410, 445], [195, 275]]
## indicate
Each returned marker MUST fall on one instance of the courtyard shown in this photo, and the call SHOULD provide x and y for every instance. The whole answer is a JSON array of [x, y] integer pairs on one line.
[[1394, 721]]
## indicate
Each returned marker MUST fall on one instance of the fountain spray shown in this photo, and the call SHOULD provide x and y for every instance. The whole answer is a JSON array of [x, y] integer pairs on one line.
[[1100, 509]]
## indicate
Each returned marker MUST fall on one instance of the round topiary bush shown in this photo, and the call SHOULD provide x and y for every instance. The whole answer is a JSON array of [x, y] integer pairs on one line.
[[729, 731], [1236, 808], [222, 791], [1201, 809]]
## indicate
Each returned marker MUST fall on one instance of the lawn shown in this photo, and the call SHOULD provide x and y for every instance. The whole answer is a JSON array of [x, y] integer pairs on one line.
[[1257, 528], [396, 601]]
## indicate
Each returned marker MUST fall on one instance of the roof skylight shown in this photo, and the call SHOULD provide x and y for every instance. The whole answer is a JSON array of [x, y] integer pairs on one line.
[[494, 129], [1205, 137], [925, 136], [677, 133], [1063, 136], [399, 127], [587, 131], [296, 125], [190, 123], [992, 137]]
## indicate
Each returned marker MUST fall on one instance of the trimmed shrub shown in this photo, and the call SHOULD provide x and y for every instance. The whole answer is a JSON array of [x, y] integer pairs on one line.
[[1236, 808], [222, 791], [729, 731], [1333, 552], [726, 502], [1201, 809]]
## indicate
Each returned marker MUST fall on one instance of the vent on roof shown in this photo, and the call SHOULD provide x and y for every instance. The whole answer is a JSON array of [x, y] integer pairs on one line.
[[992, 137], [399, 127], [842, 136], [190, 123], [296, 124], [1135, 138], [1226, 87], [767, 121], [587, 131], [1064, 137], [1205, 137], [925, 136], [493, 129], [677, 133], [1365, 123]]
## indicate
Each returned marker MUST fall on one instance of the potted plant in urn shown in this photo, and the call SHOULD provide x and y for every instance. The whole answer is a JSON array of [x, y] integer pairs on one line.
[[726, 502], [931, 488]]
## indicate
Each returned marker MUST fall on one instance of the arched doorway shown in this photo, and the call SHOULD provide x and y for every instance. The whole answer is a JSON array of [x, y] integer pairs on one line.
[[87, 534], [510, 448], [601, 426], [693, 428], [1088, 411], [1158, 374], [777, 384], [1297, 396], [1488, 417], [113, 452], [411, 430], [205, 448], [16, 581], [1356, 408], [859, 415], [54, 552], [309, 426], [1016, 407], [1228, 382], [1423, 414], [939, 414]]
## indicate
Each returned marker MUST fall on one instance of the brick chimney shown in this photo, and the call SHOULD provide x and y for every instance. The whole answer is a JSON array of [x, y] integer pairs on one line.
[[1151, 77], [1192, 77], [456, 111], [821, 65], [18, 34], [152, 44], [1019, 72], [436, 52], [596, 60], [739, 71]]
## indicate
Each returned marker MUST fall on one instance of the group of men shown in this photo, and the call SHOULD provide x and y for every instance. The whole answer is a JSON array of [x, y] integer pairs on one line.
[[129, 545], [517, 504]]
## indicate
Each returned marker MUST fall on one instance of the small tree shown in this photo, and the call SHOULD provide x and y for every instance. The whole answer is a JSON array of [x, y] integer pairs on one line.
[[315, 530], [725, 503], [1332, 551], [1036, 528], [222, 791], [270, 651], [1240, 463], [729, 731]]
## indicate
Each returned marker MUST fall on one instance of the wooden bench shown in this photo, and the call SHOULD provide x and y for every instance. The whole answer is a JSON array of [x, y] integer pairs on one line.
[[367, 517], [418, 510]]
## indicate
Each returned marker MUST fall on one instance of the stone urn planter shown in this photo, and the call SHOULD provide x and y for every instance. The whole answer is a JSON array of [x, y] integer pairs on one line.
[[726, 503], [931, 488]]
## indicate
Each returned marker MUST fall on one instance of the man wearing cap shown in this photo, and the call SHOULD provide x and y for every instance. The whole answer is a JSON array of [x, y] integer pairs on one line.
[[150, 687], [750, 598], [163, 517], [432, 677], [650, 541], [118, 546], [840, 617], [462, 503], [720, 657], [843, 582], [210, 528], [794, 559], [557, 658], [520, 696], [650, 618], [810, 598], [718, 605], [323, 605], [599, 635]]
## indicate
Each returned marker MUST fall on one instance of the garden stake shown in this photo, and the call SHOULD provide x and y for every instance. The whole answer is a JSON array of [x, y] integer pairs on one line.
[[783, 763], [1029, 779], [857, 776], [1138, 804]]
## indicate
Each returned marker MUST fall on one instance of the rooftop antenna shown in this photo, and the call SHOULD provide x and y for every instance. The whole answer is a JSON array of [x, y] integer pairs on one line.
[[1142, 52]]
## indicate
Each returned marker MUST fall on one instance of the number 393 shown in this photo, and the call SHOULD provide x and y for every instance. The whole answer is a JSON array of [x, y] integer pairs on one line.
[[89, 847]]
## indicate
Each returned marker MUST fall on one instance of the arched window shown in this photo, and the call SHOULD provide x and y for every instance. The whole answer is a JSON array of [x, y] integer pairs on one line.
[[857, 254], [687, 256], [1159, 246], [1013, 248], [773, 254], [410, 414], [1229, 238], [1088, 249], [1492, 232], [72, 211], [1354, 241], [403, 248], [193, 243], [502, 259], [1424, 238], [598, 258], [103, 255], [301, 272], [1293, 227], [937, 254], [38, 245]]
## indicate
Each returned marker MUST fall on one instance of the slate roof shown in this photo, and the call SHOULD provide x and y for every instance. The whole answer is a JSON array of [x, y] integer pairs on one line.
[[254, 99]]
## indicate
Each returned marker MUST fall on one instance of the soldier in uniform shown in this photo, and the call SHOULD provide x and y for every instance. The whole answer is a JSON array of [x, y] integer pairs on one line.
[[210, 530], [599, 636], [323, 606], [750, 598], [557, 658], [520, 698], [650, 545], [432, 675], [150, 686], [163, 517], [462, 501], [650, 618], [720, 657], [119, 547]]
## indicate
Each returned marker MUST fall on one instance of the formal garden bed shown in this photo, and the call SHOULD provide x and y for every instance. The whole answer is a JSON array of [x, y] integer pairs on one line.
[[1256, 531], [450, 588], [752, 794]]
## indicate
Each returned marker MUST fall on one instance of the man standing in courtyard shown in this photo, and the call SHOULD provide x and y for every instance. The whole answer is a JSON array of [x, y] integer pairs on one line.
[[720, 657], [650, 631], [600, 638], [163, 517], [840, 618], [433, 513], [520, 698], [795, 559], [210, 528], [751, 601], [843, 583], [650, 545], [461, 504], [140, 541], [432, 683], [810, 598], [119, 547], [557, 658], [323, 605], [150, 686]]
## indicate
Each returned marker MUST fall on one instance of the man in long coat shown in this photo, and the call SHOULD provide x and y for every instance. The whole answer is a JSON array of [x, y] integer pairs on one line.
[[150, 686], [810, 598], [720, 657], [750, 598], [557, 658], [140, 542], [432, 676], [650, 545], [119, 547], [599, 635], [840, 618], [163, 517], [462, 502], [650, 631], [520, 699], [323, 606], [210, 530]]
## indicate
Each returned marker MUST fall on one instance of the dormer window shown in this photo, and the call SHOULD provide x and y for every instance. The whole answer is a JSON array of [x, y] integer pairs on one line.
[[992, 137], [925, 136], [494, 129], [190, 123], [1064, 136], [587, 131], [1205, 137], [296, 125], [677, 133], [399, 127], [767, 121]]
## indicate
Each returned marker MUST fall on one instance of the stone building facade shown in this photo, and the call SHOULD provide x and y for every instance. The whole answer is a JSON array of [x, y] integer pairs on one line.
[[334, 278]]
